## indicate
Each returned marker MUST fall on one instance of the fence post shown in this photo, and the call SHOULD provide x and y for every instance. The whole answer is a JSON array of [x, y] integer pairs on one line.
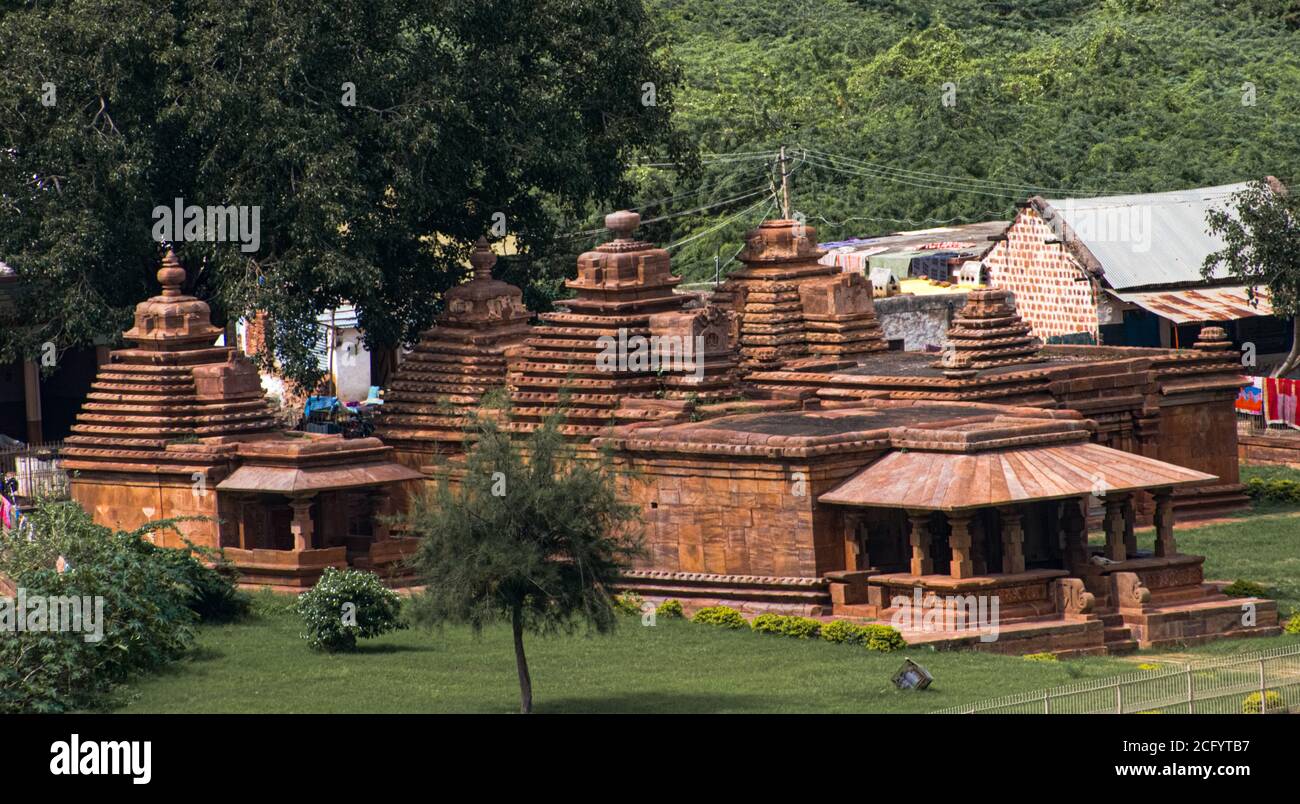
[[1191, 691], [1263, 688], [1119, 697], [1047, 702]]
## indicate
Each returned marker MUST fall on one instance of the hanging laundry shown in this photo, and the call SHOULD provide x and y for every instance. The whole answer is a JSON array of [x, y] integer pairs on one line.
[[947, 245], [897, 262], [1280, 399], [1250, 399], [7, 513]]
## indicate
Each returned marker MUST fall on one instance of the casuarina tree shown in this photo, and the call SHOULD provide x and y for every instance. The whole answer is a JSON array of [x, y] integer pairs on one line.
[[1261, 236], [532, 535]]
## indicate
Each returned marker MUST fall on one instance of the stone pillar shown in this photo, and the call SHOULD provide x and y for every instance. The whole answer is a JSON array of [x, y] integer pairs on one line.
[[1164, 517], [301, 527], [978, 550], [959, 540], [1113, 524], [32, 395], [381, 507], [1130, 523], [243, 507], [921, 563], [1013, 540], [1075, 528]]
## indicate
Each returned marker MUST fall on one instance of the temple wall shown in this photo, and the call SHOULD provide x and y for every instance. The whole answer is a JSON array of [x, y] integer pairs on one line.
[[709, 515], [1201, 434], [126, 503]]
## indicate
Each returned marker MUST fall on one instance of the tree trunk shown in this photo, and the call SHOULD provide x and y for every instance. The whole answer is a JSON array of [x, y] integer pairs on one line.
[[521, 662], [1293, 358]]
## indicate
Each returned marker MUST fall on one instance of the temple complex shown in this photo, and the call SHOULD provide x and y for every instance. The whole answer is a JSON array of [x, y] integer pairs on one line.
[[869, 508], [625, 347], [177, 427], [784, 458]]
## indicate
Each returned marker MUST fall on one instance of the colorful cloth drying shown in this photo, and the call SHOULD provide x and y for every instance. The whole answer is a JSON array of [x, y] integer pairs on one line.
[[1280, 400], [898, 262], [1250, 400]]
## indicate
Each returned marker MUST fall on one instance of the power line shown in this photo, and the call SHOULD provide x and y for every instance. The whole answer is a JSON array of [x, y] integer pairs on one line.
[[683, 241]]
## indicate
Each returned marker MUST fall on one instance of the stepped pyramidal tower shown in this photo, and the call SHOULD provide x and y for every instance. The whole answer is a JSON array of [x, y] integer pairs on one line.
[[176, 427], [457, 361], [988, 333], [624, 348], [791, 306]]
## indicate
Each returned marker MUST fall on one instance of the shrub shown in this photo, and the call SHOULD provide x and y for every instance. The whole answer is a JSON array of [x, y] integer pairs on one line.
[[883, 638], [722, 616], [670, 610], [1040, 657], [1241, 588], [210, 592], [785, 625], [345, 605], [1250, 706], [1148, 666], [1293, 625], [872, 636], [1277, 489], [628, 603], [841, 631], [145, 619]]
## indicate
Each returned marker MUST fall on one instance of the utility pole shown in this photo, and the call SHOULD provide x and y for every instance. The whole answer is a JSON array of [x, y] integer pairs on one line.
[[785, 186]]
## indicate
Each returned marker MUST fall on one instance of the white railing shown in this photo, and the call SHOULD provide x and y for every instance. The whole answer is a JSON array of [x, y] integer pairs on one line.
[[37, 468], [1226, 685]]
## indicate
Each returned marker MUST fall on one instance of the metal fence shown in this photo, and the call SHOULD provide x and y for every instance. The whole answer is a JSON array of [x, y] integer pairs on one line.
[[37, 468], [1256, 683]]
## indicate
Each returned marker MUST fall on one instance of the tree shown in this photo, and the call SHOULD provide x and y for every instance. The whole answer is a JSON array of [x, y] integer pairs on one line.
[[377, 139], [533, 539], [1261, 247]]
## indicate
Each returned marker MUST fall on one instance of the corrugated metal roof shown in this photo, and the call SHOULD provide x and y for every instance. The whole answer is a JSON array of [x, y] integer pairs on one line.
[[1200, 304], [1148, 239]]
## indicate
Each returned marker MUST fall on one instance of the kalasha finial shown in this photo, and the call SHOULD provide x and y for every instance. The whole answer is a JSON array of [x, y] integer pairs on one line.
[[482, 258], [622, 223], [171, 275]]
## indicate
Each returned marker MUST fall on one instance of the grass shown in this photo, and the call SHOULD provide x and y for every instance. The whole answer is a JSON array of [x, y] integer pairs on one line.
[[674, 667], [262, 665]]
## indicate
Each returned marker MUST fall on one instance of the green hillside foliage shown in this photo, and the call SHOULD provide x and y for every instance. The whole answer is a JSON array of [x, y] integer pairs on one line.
[[1057, 98]]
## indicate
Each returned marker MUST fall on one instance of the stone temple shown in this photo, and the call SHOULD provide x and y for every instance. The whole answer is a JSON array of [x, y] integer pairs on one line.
[[791, 462], [176, 427]]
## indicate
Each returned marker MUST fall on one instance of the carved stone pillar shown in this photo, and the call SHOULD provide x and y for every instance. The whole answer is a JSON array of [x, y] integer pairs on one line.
[[301, 527], [381, 507], [1074, 526], [1113, 523], [959, 540], [920, 538], [1164, 519], [243, 509], [1013, 539]]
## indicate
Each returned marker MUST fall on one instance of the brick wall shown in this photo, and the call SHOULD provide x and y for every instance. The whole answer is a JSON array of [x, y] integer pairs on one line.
[[1043, 279]]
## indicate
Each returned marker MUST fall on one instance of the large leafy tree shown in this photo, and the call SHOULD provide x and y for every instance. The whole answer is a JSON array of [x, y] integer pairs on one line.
[[378, 138], [1261, 247], [533, 541]]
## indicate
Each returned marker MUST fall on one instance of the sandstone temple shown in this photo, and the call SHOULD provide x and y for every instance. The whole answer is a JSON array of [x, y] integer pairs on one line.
[[785, 458]]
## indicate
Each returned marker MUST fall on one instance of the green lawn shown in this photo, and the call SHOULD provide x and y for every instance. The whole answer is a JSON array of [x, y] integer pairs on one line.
[[261, 665]]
